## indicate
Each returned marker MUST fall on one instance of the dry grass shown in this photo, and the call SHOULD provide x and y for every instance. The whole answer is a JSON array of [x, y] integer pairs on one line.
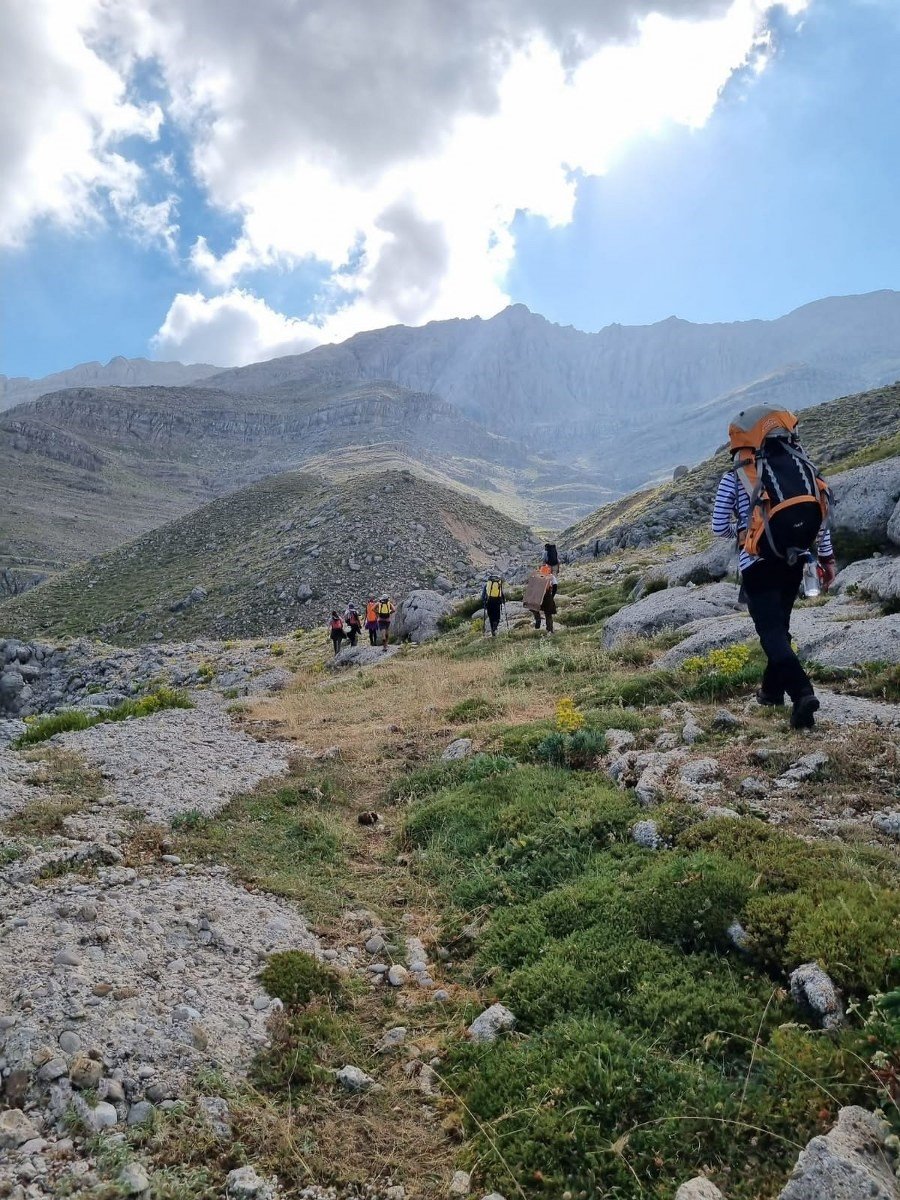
[[67, 786], [395, 716]]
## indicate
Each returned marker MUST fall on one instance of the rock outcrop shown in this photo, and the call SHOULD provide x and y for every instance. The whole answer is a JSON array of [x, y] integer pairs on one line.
[[418, 615], [852, 1162], [671, 608], [865, 500]]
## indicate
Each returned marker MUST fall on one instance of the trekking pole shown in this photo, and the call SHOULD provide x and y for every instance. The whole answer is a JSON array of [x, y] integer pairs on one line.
[[506, 616]]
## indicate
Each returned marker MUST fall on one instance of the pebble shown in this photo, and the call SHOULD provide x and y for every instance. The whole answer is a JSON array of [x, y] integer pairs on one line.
[[441, 996], [85, 1072], [54, 1069], [397, 975], [392, 1039], [460, 1184], [102, 1116], [140, 1112], [375, 944], [134, 1180], [353, 1079], [66, 958], [15, 1129], [491, 1023], [69, 1042]]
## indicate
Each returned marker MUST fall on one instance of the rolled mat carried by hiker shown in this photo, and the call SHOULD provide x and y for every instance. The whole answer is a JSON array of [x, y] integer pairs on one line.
[[775, 503], [540, 598]]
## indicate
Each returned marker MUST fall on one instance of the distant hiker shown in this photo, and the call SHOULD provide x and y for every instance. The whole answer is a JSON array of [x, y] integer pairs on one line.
[[385, 611], [354, 623], [540, 597], [550, 557], [336, 626], [372, 620], [776, 505], [493, 599]]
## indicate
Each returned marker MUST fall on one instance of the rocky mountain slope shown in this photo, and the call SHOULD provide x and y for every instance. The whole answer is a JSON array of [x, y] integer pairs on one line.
[[87, 469], [118, 372], [839, 434], [628, 402], [269, 558]]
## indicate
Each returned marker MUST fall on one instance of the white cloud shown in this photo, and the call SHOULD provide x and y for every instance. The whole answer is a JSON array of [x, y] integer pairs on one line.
[[62, 111], [391, 143], [229, 330]]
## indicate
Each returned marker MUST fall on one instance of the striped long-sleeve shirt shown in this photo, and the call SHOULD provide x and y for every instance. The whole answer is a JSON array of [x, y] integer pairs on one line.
[[731, 514]]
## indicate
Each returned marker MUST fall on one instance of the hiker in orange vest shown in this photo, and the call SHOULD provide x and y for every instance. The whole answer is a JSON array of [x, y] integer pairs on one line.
[[372, 620]]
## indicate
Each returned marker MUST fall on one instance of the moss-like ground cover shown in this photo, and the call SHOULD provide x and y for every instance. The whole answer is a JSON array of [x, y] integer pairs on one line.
[[647, 1046]]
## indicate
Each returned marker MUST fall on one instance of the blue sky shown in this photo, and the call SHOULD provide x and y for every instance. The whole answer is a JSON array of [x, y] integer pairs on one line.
[[786, 193]]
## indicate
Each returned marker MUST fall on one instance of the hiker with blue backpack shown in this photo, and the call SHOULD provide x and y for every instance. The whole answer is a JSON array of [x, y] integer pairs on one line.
[[775, 503]]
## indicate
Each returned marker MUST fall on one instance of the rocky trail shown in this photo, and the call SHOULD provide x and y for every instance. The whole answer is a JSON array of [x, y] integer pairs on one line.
[[129, 973]]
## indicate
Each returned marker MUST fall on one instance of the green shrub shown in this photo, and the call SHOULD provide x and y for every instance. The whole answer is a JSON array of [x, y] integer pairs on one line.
[[474, 708], [296, 978], [577, 750], [192, 819], [71, 719], [302, 1047]]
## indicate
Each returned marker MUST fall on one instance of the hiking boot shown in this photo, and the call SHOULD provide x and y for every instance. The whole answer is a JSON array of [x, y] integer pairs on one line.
[[803, 712], [769, 699]]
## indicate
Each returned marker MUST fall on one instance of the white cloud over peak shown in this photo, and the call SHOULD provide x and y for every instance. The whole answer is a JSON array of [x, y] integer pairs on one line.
[[393, 143], [63, 109]]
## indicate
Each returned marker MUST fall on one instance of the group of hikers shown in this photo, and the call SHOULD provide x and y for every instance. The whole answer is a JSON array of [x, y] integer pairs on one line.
[[772, 502], [539, 597], [377, 623]]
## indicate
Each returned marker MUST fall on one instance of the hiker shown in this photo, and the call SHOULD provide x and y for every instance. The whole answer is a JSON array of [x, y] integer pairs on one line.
[[493, 599], [372, 620], [540, 597], [354, 624], [776, 505], [336, 625], [385, 610], [550, 558]]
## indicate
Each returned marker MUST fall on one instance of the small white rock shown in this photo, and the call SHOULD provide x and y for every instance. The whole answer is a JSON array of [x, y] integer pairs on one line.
[[491, 1023], [353, 1079], [460, 1184], [397, 975]]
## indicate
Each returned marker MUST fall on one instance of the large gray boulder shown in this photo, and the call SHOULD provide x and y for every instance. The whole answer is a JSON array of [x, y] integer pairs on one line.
[[671, 608], [835, 635], [865, 499], [360, 656], [878, 578], [852, 1162], [706, 566], [418, 615]]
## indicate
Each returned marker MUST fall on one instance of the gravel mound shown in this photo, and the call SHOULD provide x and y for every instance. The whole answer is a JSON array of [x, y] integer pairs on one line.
[[178, 760]]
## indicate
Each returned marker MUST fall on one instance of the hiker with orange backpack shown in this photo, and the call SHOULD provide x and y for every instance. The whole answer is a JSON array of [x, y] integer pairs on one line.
[[775, 503], [372, 620]]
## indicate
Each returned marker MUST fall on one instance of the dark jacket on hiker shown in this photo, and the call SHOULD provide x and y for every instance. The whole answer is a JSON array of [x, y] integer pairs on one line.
[[493, 599], [354, 623], [770, 586], [336, 628]]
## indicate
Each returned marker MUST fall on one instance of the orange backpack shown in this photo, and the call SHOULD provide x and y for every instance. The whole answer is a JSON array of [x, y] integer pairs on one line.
[[789, 500]]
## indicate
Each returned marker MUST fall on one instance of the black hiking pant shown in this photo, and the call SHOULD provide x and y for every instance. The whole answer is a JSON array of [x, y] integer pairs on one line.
[[336, 639], [353, 635], [493, 614], [771, 588], [373, 634]]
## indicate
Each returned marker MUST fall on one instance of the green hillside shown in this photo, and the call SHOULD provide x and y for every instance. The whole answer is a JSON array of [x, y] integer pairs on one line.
[[257, 552], [842, 433]]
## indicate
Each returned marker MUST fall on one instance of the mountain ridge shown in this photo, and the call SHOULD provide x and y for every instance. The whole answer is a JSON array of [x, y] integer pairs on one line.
[[118, 372]]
